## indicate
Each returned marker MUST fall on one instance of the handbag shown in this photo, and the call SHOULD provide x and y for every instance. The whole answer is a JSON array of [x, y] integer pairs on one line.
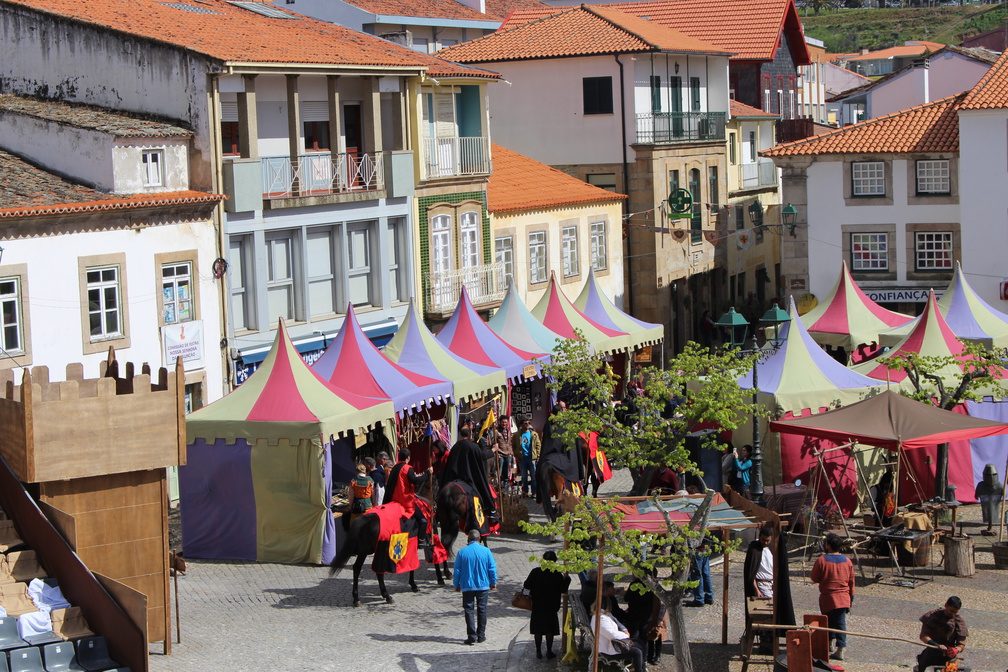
[[622, 645], [522, 600]]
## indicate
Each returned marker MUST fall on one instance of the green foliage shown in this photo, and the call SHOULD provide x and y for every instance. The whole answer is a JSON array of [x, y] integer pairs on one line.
[[700, 383], [847, 30], [949, 380]]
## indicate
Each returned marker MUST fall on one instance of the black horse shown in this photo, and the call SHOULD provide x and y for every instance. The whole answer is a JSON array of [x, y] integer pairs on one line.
[[452, 517], [361, 541]]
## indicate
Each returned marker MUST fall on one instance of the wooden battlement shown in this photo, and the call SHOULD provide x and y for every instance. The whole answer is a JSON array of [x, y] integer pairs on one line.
[[80, 427]]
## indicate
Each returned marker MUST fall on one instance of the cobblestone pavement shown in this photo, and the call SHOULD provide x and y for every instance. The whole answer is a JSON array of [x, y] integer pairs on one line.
[[269, 617]]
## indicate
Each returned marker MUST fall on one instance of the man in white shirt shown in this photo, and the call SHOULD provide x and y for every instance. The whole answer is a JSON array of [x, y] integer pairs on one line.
[[759, 565]]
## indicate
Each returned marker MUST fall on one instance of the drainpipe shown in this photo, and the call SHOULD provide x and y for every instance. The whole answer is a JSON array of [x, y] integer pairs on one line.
[[626, 174]]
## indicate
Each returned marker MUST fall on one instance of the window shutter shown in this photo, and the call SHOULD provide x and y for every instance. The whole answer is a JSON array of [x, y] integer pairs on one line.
[[229, 111], [314, 110]]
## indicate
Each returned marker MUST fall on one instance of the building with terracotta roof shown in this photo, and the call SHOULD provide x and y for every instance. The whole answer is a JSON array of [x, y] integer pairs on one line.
[[424, 25], [545, 221], [884, 61], [320, 136], [940, 74], [653, 101], [765, 39], [887, 195]]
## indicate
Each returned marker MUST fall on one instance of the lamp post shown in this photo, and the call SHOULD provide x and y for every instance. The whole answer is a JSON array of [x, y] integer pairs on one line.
[[756, 213], [737, 324], [789, 216]]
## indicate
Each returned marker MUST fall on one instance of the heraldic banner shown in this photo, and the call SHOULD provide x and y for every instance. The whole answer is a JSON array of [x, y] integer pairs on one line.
[[396, 551]]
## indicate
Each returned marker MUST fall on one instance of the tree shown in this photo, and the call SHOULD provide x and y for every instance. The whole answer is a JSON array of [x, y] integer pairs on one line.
[[699, 388], [949, 380]]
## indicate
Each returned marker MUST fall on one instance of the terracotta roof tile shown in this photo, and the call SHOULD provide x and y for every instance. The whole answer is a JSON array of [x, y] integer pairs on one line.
[[496, 10], [118, 124], [520, 183], [742, 110], [233, 34], [913, 49], [750, 30], [932, 127], [579, 31], [991, 92], [27, 190]]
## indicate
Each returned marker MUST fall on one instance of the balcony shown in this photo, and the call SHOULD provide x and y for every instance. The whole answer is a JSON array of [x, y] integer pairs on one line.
[[485, 284], [757, 175], [658, 128], [455, 157], [322, 174]]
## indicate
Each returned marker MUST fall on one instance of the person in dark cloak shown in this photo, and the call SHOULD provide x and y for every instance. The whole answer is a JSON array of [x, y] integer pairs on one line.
[[565, 462], [401, 488], [545, 588], [467, 462], [758, 574]]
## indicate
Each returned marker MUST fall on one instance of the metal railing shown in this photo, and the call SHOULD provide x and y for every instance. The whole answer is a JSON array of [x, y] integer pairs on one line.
[[484, 283], [763, 173], [671, 127], [322, 174], [453, 157]]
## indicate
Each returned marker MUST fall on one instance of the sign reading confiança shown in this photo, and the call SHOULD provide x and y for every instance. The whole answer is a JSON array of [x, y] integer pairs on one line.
[[901, 294], [184, 340]]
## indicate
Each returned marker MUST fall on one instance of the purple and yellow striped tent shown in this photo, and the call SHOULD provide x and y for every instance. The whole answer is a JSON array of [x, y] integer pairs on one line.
[[257, 483]]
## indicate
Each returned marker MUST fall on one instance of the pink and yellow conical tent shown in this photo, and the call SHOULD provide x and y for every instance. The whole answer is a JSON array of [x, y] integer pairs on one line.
[[257, 482], [847, 318], [562, 317]]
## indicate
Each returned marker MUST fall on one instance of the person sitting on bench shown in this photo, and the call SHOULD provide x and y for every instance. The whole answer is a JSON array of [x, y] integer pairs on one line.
[[613, 631]]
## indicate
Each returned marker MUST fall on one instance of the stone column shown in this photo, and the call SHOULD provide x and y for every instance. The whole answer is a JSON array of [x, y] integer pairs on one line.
[[794, 249], [294, 130], [335, 115], [371, 111], [248, 120]]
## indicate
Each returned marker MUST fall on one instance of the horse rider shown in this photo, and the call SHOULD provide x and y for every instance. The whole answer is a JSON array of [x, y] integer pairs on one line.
[[401, 488], [468, 462]]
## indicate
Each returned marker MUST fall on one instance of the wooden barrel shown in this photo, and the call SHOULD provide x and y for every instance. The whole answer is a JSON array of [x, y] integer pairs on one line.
[[959, 556]]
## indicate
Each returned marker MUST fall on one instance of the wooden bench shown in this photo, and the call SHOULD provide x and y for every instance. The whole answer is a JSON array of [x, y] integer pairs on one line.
[[759, 613], [584, 625]]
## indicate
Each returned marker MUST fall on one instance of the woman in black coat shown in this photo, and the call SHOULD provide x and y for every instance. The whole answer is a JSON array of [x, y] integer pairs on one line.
[[545, 588]]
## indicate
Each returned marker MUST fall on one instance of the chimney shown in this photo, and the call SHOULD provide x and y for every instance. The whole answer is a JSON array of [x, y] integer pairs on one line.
[[864, 50]]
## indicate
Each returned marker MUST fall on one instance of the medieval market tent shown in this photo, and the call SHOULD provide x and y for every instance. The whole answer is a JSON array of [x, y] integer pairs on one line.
[[597, 307], [848, 318], [890, 420], [561, 316], [470, 338], [799, 376], [969, 317], [416, 349], [516, 325], [257, 482], [351, 360]]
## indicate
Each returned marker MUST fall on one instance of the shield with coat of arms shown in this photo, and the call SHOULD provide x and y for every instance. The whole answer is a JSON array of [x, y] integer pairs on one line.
[[398, 546], [478, 511]]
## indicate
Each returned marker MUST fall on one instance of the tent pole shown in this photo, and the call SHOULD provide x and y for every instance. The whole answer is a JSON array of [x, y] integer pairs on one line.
[[1001, 521], [598, 601], [724, 588]]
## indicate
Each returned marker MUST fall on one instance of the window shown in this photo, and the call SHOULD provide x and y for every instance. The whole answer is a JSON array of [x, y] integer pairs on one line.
[[441, 244], [753, 148], [696, 226], [420, 44], [599, 255], [11, 334], [655, 94], [104, 303], [280, 277], [766, 94], [176, 292], [739, 217], [933, 177], [537, 257], [605, 181], [504, 254], [869, 252], [712, 179], [359, 264], [673, 180], [316, 136], [469, 240], [239, 275], [868, 178], [397, 266], [569, 245], [320, 253], [230, 138], [732, 156], [694, 84], [153, 161], [598, 97], [933, 250]]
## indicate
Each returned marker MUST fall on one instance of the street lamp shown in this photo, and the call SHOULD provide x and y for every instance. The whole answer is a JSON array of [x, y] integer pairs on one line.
[[756, 213], [789, 214], [772, 319]]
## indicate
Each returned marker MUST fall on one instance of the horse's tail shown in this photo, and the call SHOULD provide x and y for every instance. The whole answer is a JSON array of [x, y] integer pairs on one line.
[[349, 548]]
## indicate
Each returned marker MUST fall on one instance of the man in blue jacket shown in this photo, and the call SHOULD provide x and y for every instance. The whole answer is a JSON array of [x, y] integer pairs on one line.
[[475, 576]]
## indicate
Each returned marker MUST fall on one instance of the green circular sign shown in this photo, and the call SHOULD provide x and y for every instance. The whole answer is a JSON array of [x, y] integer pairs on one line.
[[680, 200]]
